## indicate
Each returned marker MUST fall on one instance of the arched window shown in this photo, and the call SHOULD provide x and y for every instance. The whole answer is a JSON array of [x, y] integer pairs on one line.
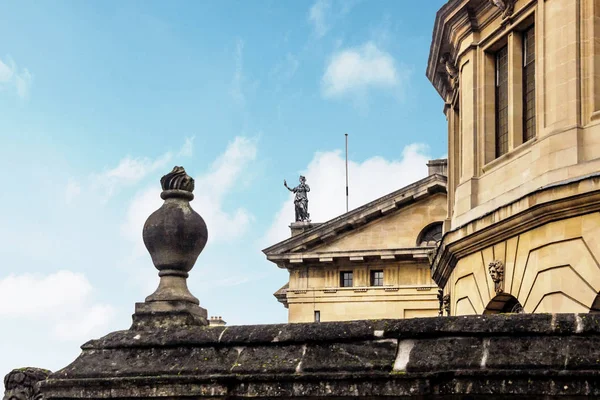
[[430, 235], [503, 303]]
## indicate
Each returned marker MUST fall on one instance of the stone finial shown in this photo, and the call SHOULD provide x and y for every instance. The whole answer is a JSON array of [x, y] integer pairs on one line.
[[177, 180], [496, 269], [23, 383], [174, 235]]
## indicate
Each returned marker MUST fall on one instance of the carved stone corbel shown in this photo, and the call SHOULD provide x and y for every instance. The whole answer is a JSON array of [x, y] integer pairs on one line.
[[496, 270], [451, 73], [506, 7], [446, 302], [23, 383]]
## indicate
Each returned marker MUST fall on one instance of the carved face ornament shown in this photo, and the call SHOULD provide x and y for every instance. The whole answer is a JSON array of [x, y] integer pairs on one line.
[[496, 270]]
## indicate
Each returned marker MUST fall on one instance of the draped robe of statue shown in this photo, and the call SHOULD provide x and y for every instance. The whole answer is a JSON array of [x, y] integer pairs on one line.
[[301, 200]]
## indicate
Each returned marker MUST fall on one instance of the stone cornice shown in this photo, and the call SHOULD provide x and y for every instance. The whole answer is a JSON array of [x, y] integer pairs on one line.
[[359, 217], [448, 20], [290, 260], [547, 204], [453, 23]]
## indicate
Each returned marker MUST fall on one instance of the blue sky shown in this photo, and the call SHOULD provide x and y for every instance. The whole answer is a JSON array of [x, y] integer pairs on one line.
[[99, 99]]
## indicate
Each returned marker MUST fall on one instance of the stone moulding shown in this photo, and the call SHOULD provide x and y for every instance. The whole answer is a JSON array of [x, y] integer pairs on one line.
[[545, 205], [493, 356]]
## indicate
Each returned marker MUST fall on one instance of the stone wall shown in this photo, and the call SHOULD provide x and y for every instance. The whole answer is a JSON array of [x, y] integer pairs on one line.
[[496, 356]]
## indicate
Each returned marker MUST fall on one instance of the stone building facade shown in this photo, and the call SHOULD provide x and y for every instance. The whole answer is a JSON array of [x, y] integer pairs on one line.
[[370, 263], [521, 84]]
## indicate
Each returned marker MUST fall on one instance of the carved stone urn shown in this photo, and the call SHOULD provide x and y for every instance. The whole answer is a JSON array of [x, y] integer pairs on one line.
[[174, 235]]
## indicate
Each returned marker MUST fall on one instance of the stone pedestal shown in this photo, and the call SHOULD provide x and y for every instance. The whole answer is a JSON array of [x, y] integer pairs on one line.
[[300, 227], [166, 314]]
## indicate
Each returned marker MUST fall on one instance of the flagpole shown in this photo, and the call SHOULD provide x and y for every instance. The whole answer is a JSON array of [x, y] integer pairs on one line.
[[346, 172]]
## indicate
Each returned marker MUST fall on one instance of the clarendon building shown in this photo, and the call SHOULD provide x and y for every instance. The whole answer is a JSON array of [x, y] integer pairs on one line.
[[521, 86], [372, 262]]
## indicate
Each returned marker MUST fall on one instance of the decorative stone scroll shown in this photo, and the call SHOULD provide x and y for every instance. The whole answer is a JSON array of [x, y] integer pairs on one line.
[[446, 302], [517, 309], [451, 71], [506, 7], [440, 297], [496, 269], [23, 383]]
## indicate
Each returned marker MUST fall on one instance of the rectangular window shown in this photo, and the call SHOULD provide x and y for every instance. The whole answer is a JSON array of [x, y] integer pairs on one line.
[[502, 101], [317, 316], [529, 84], [346, 279], [376, 278]]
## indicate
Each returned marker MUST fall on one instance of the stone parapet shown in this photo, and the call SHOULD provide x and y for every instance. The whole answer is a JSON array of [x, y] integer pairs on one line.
[[496, 356]]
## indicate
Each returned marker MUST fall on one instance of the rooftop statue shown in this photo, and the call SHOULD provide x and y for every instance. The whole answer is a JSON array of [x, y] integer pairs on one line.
[[301, 200]]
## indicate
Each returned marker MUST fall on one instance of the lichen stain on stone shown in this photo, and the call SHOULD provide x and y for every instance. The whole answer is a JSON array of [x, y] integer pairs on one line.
[[403, 356], [578, 324], [299, 366]]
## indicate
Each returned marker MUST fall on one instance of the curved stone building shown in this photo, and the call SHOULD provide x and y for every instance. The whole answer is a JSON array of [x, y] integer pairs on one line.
[[521, 84]]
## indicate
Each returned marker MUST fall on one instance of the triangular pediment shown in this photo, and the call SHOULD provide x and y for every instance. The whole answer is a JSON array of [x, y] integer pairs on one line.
[[397, 229], [390, 222]]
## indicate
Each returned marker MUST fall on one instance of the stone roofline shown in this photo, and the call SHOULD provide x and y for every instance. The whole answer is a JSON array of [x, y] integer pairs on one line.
[[357, 218]]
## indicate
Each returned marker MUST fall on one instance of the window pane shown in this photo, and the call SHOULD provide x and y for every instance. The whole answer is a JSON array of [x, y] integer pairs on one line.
[[376, 278], [528, 84], [502, 101], [346, 279]]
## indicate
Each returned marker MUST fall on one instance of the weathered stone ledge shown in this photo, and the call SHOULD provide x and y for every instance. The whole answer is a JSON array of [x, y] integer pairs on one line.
[[477, 325], [533, 354]]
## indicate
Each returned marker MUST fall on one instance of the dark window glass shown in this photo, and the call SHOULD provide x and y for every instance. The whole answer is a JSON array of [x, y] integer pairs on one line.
[[528, 84], [317, 316], [376, 278], [431, 236], [346, 279], [502, 101]]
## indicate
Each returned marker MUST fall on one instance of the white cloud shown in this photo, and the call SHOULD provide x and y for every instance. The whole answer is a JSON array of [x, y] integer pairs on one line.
[[62, 299], [286, 69], [34, 295], [369, 180], [131, 171], [358, 69], [238, 76], [324, 14], [12, 76], [211, 189], [72, 191], [6, 73], [317, 16], [95, 319], [188, 147]]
